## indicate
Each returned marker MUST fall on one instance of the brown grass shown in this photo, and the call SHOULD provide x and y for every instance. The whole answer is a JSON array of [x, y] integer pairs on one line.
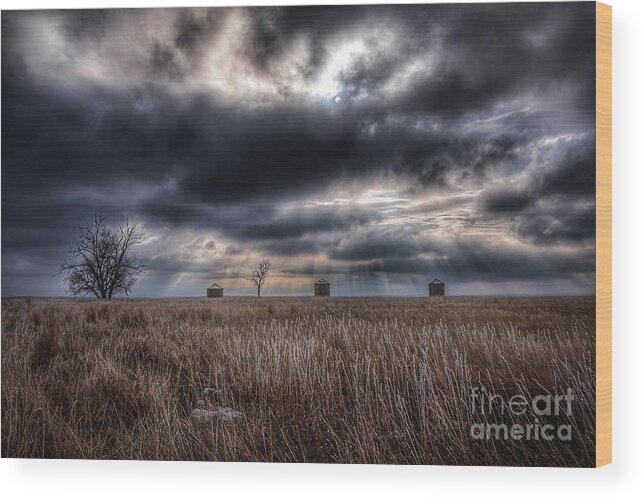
[[360, 380]]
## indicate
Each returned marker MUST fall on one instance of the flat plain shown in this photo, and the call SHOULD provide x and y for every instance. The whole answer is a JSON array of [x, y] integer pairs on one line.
[[336, 380]]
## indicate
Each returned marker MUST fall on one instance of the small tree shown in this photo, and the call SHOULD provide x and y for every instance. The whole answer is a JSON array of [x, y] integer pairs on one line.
[[102, 262], [260, 275]]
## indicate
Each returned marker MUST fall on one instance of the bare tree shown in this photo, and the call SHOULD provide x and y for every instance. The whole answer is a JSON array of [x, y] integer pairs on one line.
[[259, 276], [102, 262]]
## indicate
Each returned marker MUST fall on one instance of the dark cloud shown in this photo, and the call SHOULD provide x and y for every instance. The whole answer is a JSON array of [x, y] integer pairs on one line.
[[547, 229], [194, 26], [491, 264], [381, 244], [261, 221], [272, 131], [492, 52], [554, 202], [164, 62], [85, 26]]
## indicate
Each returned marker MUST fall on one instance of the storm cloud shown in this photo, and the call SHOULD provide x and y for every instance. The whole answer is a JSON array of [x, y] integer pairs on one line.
[[376, 146]]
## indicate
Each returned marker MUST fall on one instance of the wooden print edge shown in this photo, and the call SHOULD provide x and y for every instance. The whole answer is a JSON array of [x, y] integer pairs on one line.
[[603, 234]]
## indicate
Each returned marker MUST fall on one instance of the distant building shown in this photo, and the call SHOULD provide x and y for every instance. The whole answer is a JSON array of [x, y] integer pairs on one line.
[[322, 288], [215, 291], [436, 288]]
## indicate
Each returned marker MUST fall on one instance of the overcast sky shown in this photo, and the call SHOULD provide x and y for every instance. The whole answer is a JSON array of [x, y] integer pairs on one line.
[[378, 147]]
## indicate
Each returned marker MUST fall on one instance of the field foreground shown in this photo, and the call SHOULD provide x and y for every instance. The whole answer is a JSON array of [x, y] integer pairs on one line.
[[354, 380]]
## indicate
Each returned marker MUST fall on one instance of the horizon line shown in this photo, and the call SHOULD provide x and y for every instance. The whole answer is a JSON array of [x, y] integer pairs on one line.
[[192, 297]]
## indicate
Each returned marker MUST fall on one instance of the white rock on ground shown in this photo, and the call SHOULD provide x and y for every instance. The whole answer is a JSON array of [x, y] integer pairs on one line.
[[221, 414]]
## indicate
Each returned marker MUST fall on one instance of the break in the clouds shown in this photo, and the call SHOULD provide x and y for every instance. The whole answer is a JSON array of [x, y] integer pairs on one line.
[[375, 146]]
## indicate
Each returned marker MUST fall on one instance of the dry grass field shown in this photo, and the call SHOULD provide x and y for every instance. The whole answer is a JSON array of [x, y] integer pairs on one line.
[[355, 380]]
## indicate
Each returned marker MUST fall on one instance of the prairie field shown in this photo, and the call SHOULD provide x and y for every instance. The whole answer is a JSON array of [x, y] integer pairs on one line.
[[334, 380]]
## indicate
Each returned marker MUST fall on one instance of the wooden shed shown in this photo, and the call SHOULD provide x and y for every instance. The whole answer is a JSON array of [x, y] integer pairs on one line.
[[215, 291], [436, 288], [322, 288]]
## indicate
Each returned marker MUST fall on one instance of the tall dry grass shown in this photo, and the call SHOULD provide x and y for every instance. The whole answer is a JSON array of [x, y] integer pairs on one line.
[[360, 380]]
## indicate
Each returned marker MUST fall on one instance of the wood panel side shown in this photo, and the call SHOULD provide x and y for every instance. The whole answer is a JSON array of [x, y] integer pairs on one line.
[[603, 234]]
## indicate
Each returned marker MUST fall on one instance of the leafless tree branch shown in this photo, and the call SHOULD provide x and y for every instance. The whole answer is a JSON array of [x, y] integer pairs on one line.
[[260, 275], [102, 262]]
